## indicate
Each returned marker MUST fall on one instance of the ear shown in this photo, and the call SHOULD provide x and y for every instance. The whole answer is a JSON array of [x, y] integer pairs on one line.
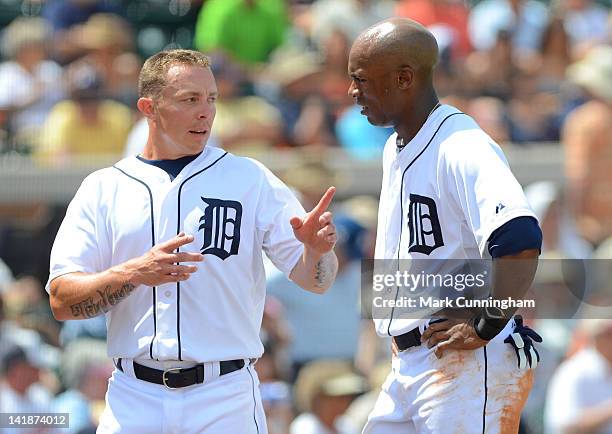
[[405, 77], [146, 107]]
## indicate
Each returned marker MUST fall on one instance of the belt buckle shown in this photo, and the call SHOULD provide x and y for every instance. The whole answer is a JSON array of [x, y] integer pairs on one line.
[[164, 379]]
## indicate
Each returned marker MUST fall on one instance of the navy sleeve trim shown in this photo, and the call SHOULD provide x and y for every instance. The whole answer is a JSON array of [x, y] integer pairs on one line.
[[519, 234]]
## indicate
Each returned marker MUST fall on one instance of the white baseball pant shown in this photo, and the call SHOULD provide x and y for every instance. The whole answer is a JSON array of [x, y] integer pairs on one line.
[[227, 404], [464, 392]]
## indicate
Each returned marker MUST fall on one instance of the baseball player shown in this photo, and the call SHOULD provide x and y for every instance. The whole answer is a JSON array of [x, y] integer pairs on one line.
[[168, 245], [447, 193]]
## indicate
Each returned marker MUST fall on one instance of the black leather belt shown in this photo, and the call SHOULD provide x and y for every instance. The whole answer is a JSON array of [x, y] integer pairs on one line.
[[413, 337], [408, 340], [175, 378]]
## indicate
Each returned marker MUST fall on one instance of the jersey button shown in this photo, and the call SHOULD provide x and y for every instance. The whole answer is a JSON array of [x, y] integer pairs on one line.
[[167, 294]]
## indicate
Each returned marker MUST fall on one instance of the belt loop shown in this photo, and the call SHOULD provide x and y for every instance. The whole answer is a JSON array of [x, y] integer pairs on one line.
[[216, 369], [423, 326], [118, 364], [200, 373], [209, 371]]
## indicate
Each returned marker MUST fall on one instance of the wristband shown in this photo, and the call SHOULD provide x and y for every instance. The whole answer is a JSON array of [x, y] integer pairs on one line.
[[487, 328]]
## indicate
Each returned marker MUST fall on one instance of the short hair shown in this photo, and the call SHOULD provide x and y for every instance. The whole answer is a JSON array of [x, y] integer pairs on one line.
[[152, 78]]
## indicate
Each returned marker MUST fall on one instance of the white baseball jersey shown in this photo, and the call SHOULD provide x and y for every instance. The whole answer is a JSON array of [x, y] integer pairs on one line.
[[233, 206], [442, 197]]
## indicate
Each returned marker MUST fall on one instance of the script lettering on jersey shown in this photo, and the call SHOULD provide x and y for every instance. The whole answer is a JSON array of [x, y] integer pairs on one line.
[[221, 226], [424, 225]]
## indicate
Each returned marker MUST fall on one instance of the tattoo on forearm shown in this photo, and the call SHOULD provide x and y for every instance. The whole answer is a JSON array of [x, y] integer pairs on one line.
[[90, 308], [322, 273]]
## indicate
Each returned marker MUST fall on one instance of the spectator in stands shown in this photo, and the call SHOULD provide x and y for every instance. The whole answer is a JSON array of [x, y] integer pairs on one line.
[[277, 403], [289, 76], [331, 79], [247, 30], [489, 72], [358, 412], [559, 231], [554, 56], [26, 305], [309, 172], [30, 83], [532, 113], [325, 94], [106, 42], [523, 20], [65, 16], [586, 23], [600, 279], [323, 391], [312, 89], [246, 124], [587, 137], [528, 83], [273, 368], [555, 304], [348, 16], [580, 393], [326, 325], [275, 336], [448, 17], [4, 341], [26, 325], [85, 373], [6, 277], [549, 66], [87, 124], [20, 390], [490, 114]]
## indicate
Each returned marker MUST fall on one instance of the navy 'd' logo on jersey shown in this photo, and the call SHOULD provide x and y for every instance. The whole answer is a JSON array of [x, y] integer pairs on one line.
[[221, 226], [424, 225]]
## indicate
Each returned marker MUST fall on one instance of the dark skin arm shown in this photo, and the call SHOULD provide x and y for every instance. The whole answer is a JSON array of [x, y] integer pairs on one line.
[[513, 275]]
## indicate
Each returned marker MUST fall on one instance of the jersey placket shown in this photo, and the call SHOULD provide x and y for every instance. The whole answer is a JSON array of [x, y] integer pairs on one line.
[[165, 342]]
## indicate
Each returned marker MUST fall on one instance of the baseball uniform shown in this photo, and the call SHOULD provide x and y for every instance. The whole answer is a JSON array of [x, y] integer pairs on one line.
[[236, 209], [442, 197]]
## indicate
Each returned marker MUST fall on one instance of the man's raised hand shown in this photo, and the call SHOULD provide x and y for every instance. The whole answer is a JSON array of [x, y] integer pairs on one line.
[[316, 230]]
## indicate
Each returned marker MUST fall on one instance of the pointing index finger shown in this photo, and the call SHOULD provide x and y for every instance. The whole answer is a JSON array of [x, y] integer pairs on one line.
[[325, 201]]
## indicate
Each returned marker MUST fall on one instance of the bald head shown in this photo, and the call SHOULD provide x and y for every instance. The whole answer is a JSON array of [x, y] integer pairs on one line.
[[399, 42], [391, 68]]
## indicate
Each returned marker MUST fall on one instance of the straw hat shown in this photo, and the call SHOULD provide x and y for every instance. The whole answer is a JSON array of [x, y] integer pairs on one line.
[[594, 72], [105, 31], [287, 66], [326, 377], [22, 32]]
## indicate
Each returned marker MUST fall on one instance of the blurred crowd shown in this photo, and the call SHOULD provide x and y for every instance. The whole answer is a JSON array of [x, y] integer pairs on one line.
[[527, 71], [70, 69]]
